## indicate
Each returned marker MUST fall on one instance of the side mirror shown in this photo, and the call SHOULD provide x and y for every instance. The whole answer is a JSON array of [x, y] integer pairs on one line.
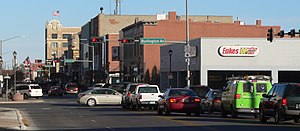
[[161, 96]]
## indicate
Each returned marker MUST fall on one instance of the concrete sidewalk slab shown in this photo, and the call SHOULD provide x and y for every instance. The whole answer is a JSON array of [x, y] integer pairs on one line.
[[11, 119]]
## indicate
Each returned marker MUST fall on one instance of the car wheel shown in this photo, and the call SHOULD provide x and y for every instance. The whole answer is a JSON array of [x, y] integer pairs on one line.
[[166, 111], [138, 107], [91, 102], [123, 105], [234, 114], [25, 96], [278, 117], [296, 120], [262, 117], [197, 113], [201, 109], [132, 106], [49, 95], [223, 112], [159, 111]]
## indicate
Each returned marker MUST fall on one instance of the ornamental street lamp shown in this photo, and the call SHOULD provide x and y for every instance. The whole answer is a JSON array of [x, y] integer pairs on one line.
[[15, 70], [6, 91], [170, 75]]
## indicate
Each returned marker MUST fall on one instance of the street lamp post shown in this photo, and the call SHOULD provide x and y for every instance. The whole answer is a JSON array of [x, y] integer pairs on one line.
[[1, 59], [188, 45], [6, 91], [93, 60], [15, 72], [170, 54]]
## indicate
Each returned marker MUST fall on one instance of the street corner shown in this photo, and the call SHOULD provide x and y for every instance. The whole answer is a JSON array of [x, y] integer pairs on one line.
[[11, 119]]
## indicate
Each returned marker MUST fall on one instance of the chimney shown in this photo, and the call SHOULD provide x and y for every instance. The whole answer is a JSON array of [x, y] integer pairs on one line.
[[258, 22], [172, 16]]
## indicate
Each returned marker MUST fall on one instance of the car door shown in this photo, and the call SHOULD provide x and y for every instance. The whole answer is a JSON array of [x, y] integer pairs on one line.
[[269, 101], [112, 97], [205, 101], [261, 88], [248, 97], [100, 95]]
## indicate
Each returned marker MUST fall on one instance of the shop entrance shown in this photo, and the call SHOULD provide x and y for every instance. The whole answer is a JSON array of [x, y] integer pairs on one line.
[[217, 79], [289, 76]]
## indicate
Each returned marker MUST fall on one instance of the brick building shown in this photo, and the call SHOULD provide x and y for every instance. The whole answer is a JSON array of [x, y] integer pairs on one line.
[[145, 57]]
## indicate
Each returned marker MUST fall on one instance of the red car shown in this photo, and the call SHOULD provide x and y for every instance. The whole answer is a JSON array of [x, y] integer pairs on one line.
[[179, 100]]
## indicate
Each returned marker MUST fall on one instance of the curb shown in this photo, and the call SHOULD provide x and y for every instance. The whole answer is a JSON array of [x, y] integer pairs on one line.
[[20, 119], [24, 101]]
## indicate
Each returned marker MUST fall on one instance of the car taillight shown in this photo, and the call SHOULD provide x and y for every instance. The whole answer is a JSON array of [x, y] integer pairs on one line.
[[172, 100], [140, 97], [128, 94], [197, 100], [217, 101], [76, 88], [237, 96], [67, 89], [284, 101]]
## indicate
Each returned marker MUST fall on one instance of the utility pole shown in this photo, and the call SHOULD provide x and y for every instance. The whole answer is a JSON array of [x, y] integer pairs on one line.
[[188, 46]]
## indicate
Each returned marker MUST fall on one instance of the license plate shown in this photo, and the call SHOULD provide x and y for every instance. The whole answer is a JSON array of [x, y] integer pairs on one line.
[[297, 106], [152, 102], [71, 90], [185, 100]]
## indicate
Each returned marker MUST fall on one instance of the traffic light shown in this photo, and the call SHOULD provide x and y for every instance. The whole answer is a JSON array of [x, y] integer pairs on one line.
[[281, 34], [126, 40], [38, 61], [95, 40], [270, 35], [292, 33]]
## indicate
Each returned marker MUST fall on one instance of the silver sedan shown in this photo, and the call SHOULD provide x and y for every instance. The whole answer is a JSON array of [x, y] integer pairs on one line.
[[99, 96]]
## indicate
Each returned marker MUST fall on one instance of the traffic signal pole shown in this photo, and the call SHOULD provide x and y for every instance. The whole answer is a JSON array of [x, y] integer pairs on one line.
[[188, 45]]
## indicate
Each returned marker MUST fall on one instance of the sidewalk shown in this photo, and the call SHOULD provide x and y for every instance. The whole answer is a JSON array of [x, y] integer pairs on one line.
[[10, 118]]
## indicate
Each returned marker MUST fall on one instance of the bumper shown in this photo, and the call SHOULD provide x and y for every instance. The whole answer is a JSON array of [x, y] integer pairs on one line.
[[184, 107], [248, 110], [293, 112], [71, 92], [145, 103]]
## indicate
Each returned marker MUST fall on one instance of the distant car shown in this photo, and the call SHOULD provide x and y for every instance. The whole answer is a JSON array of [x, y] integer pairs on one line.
[[281, 103], [211, 102], [30, 90], [120, 87], [55, 90], [99, 96], [200, 90], [179, 100], [71, 88], [126, 97]]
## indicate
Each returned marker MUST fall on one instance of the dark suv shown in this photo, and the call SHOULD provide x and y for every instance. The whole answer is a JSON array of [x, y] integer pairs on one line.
[[282, 102]]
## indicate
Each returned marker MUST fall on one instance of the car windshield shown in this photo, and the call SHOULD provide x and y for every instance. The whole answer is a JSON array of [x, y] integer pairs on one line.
[[36, 87], [293, 91], [148, 90], [182, 92], [71, 86], [200, 91]]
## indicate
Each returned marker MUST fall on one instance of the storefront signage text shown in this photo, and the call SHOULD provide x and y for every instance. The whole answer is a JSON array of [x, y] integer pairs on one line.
[[245, 51]]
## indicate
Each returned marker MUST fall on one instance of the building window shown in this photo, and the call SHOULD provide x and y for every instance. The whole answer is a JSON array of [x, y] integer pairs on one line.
[[66, 36], [65, 44], [54, 36], [54, 44]]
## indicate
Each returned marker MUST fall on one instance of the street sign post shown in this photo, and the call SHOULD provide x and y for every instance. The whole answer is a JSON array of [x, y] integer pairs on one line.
[[152, 41]]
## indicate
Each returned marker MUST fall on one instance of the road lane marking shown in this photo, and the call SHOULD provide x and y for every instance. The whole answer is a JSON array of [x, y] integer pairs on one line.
[[109, 128], [93, 121], [46, 108]]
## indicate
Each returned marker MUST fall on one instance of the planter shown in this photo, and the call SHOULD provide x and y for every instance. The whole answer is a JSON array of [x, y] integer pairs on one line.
[[17, 97]]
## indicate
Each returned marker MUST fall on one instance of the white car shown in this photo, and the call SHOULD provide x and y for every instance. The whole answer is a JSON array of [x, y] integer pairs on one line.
[[99, 96], [29, 90]]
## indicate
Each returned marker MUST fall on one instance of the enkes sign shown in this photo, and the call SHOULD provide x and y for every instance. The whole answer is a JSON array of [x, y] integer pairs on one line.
[[243, 51]]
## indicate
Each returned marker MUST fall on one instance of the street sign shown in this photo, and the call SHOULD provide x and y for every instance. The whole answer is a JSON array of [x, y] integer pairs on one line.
[[48, 66], [152, 41], [69, 60], [190, 51]]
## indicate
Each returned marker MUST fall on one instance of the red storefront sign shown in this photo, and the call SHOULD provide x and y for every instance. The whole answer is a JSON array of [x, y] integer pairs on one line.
[[238, 51]]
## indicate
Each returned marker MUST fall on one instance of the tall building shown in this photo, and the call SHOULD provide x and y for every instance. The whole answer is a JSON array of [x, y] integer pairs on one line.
[[58, 39]]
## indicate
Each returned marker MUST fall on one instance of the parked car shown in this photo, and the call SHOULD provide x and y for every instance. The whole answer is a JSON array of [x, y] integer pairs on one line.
[[55, 90], [126, 97], [145, 96], [30, 90], [243, 94], [71, 88], [99, 96], [120, 87], [179, 100], [211, 102], [200, 90], [282, 102]]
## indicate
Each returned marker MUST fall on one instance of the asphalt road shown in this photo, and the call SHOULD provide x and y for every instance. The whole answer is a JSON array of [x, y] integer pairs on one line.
[[63, 113]]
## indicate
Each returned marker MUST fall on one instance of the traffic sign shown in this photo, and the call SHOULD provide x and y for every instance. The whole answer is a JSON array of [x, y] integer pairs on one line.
[[190, 51], [152, 41], [69, 60]]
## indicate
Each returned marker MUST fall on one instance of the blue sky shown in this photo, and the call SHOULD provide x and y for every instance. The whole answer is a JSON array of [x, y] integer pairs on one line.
[[28, 17]]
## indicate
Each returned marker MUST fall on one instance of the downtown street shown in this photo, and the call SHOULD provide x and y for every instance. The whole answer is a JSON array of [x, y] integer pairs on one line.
[[64, 113]]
